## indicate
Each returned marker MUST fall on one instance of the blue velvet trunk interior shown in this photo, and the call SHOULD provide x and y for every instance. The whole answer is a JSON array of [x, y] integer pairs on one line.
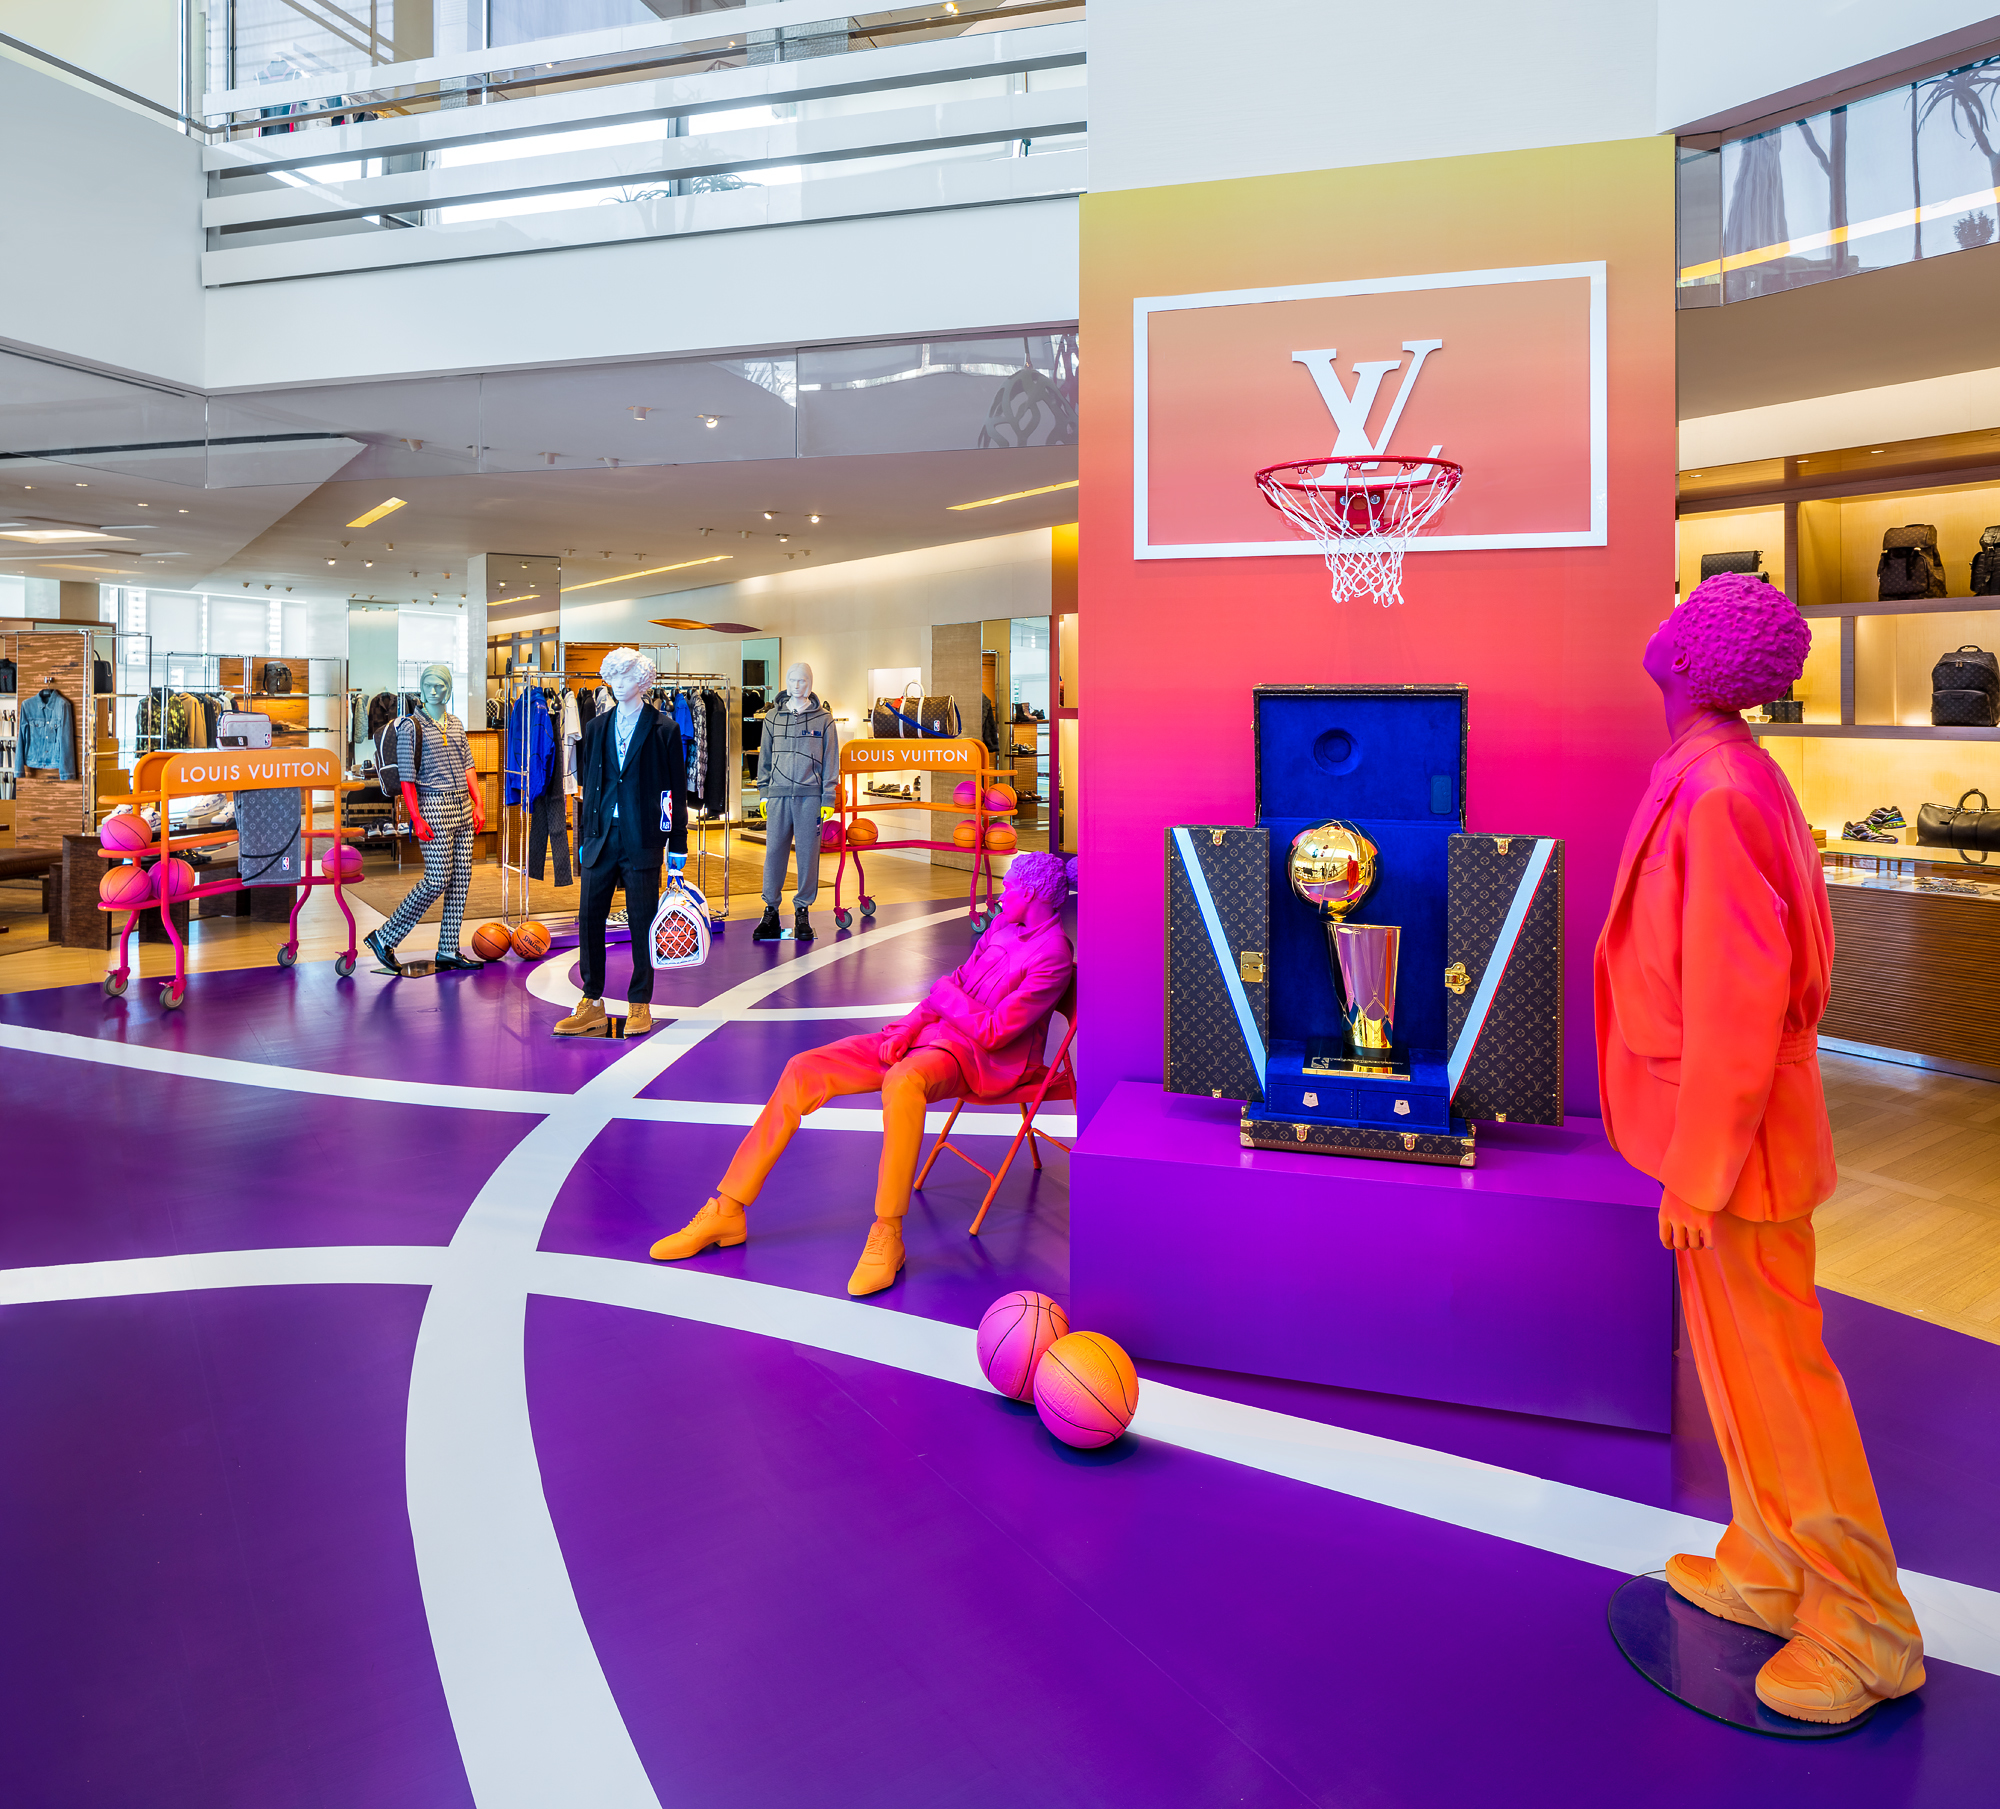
[[1392, 762]]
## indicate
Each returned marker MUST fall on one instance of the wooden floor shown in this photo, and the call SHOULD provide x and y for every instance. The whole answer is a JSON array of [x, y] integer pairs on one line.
[[1915, 1224]]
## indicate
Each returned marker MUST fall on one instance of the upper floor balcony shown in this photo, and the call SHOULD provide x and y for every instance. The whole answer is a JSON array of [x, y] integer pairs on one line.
[[718, 121]]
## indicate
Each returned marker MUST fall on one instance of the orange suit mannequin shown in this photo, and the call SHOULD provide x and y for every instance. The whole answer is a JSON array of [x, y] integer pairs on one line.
[[1711, 975]]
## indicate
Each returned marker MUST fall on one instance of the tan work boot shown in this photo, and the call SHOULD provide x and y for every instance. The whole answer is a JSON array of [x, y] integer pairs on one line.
[[881, 1258], [1700, 1581], [638, 1020], [1806, 1682], [719, 1222], [588, 1019]]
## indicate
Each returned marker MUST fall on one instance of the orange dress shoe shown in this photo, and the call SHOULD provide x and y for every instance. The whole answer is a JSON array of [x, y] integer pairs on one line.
[[881, 1258], [1806, 1682], [721, 1222], [1700, 1581]]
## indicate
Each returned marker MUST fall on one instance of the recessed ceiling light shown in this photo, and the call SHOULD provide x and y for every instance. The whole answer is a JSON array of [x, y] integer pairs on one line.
[[784, 537], [329, 562], [369, 563], [48, 536], [142, 505], [375, 514], [652, 572], [81, 485], [814, 519], [768, 516], [186, 511], [710, 420], [986, 502]]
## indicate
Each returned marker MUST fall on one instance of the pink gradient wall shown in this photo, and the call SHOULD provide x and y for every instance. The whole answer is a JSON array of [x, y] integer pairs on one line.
[[1563, 723]]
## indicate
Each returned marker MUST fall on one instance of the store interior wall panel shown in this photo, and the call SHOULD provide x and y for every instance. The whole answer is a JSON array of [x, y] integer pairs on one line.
[[1732, 531], [1840, 781], [1564, 723], [1959, 514]]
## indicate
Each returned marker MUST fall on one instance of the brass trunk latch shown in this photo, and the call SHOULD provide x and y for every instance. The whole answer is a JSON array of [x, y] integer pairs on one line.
[[1409, 1139], [1250, 964], [1505, 843], [1456, 977], [1215, 836]]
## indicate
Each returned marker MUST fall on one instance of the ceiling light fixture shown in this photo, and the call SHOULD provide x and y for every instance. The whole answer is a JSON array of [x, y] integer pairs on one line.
[[814, 519], [784, 537], [81, 485], [768, 516], [48, 536], [187, 511], [329, 562], [639, 414], [986, 502], [142, 505], [710, 420], [654, 572], [369, 563], [375, 514]]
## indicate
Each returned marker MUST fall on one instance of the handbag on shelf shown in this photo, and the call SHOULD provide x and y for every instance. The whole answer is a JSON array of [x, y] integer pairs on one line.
[[1953, 826], [1909, 566], [1986, 565], [915, 717], [277, 679], [1965, 690], [1747, 563]]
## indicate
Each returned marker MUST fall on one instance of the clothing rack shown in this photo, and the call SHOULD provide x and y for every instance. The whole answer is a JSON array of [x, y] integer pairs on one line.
[[515, 831], [702, 830]]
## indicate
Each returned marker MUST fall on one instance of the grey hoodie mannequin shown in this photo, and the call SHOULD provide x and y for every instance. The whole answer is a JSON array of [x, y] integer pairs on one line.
[[798, 771]]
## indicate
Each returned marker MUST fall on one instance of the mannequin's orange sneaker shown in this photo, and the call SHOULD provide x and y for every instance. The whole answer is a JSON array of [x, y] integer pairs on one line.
[[721, 1221], [1700, 1581], [881, 1258], [1806, 1682]]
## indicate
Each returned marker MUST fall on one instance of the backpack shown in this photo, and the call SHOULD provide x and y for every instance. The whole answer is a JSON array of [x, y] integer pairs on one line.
[[1965, 690], [386, 775], [277, 679], [1909, 566], [1986, 565]]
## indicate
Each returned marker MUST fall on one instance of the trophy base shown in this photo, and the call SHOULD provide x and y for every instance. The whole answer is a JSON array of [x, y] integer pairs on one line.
[[1330, 1055]]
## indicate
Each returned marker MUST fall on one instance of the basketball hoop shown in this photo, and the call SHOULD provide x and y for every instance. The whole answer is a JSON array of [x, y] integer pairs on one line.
[[1363, 514]]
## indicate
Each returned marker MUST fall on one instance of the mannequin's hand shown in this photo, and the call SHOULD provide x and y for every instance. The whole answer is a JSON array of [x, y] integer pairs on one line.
[[478, 803], [419, 828], [895, 1044], [1685, 1227]]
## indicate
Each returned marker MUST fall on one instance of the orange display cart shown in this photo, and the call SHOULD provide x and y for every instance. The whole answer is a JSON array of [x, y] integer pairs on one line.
[[160, 778], [956, 759]]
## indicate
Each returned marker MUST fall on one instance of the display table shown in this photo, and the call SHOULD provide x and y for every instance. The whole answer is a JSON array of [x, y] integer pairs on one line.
[[1533, 1282]]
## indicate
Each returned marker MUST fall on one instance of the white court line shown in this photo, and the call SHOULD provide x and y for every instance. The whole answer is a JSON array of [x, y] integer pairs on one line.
[[1961, 1621]]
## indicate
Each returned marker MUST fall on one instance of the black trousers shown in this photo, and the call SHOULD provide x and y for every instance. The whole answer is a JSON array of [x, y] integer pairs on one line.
[[640, 876], [548, 822]]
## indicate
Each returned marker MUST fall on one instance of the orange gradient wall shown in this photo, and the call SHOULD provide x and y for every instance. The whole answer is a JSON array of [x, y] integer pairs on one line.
[[1563, 722]]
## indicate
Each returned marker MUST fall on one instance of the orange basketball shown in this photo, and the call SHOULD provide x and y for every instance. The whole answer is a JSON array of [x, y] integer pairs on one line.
[[531, 940], [861, 832], [966, 835], [492, 941], [1086, 1390], [124, 887], [1001, 798], [1000, 838]]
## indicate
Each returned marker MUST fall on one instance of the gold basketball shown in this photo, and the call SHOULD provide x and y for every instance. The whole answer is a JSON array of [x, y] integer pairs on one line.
[[1332, 867]]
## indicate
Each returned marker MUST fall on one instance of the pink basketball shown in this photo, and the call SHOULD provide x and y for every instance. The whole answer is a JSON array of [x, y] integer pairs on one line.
[[129, 830], [179, 877], [124, 887], [829, 833], [1001, 798], [965, 793], [1015, 1331], [342, 858], [1086, 1390]]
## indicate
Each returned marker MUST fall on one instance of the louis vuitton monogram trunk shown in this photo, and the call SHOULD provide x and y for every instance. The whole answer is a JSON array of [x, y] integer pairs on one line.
[[1443, 1149], [1504, 977], [1218, 948]]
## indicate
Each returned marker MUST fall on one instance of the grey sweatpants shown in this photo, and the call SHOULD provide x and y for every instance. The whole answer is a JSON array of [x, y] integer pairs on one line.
[[791, 826]]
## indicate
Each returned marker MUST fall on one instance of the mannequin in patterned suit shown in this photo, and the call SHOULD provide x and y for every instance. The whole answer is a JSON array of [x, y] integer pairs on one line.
[[441, 795]]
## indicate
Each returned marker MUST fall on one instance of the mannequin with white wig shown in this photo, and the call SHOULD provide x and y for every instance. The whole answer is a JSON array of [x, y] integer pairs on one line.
[[631, 808]]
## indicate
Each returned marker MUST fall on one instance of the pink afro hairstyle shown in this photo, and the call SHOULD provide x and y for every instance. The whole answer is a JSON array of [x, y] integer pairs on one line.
[[1745, 641], [1041, 877]]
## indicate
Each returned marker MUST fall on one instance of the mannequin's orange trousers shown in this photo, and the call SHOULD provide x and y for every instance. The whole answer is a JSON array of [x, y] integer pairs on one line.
[[1806, 1547], [851, 1065]]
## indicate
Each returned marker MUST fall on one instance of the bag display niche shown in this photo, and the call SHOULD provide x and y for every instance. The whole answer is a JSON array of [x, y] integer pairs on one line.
[[1748, 563], [1954, 826], [1387, 986], [1986, 565], [1910, 565], [1965, 690]]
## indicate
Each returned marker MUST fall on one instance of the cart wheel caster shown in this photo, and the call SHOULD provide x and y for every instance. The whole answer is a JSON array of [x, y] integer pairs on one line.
[[842, 918], [115, 984], [979, 921], [171, 996], [287, 954], [344, 966], [867, 909]]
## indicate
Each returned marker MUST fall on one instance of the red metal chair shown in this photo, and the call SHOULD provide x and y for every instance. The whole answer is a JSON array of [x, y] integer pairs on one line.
[[1056, 1081]]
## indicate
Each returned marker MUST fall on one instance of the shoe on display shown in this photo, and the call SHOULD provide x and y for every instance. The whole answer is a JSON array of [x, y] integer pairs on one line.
[[720, 1222], [1700, 1581], [1861, 832], [768, 930], [802, 926], [588, 1019], [457, 958], [638, 1020], [881, 1259], [1886, 816], [1806, 1682], [382, 951]]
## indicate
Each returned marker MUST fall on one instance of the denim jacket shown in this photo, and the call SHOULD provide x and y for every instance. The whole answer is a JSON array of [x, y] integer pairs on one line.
[[48, 734]]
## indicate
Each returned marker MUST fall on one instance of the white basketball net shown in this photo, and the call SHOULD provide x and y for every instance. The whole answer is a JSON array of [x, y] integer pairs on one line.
[[1363, 514]]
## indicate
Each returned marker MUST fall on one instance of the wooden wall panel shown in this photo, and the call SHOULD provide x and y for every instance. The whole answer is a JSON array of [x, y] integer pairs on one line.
[[1916, 971], [47, 808]]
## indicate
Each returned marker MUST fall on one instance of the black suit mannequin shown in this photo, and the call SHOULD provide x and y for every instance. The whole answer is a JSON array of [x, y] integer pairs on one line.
[[625, 848]]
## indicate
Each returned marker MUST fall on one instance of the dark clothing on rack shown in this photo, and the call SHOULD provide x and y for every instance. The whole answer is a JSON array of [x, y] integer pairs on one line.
[[586, 705], [381, 712], [989, 728], [549, 822], [715, 775]]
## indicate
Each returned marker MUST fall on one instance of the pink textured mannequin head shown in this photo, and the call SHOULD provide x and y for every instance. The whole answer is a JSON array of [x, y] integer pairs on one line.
[[1744, 641], [1040, 877]]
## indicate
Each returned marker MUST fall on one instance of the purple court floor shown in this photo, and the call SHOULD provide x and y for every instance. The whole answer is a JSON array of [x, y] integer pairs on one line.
[[352, 1452]]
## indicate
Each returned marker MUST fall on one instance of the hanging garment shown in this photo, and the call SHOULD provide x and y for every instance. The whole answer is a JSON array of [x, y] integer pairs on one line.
[[586, 705], [715, 783], [989, 728], [549, 822], [684, 721], [47, 734], [381, 712], [571, 735], [7, 678], [697, 741], [531, 747]]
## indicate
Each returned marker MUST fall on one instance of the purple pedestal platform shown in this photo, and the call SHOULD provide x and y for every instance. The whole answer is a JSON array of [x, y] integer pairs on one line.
[[1533, 1283]]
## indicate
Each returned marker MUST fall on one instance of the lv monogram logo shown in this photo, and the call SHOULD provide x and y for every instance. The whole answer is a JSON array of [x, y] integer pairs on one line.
[[1350, 409]]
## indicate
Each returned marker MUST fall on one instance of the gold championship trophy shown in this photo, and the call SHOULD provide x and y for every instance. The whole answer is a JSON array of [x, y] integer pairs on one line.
[[1332, 868]]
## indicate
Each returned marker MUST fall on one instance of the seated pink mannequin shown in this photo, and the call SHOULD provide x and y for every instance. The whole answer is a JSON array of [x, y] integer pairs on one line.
[[978, 1030]]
